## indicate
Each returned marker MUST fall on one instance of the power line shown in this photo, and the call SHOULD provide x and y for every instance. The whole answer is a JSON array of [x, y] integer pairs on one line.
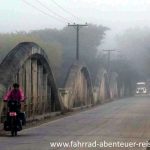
[[53, 12], [77, 27], [108, 58], [108, 62], [68, 12], [43, 12]]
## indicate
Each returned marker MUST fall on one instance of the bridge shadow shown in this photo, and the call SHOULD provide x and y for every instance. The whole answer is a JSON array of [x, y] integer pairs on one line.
[[8, 134]]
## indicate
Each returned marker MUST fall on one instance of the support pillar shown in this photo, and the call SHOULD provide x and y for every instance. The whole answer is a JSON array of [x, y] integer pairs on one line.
[[28, 88], [40, 88], [45, 95], [34, 86]]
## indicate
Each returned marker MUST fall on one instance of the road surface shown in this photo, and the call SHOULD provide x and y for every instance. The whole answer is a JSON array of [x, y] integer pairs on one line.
[[125, 120]]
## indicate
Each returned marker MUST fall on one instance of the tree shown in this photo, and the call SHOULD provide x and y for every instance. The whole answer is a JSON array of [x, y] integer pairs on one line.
[[60, 45], [135, 45]]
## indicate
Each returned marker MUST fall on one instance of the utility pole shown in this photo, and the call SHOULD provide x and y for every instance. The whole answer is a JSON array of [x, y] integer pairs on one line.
[[77, 27], [108, 61]]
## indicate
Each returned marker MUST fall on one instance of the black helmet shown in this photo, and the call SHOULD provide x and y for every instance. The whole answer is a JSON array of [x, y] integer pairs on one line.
[[16, 85]]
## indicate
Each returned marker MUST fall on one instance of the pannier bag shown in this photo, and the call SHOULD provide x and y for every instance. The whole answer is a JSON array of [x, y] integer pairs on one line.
[[6, 126], [22, 117]]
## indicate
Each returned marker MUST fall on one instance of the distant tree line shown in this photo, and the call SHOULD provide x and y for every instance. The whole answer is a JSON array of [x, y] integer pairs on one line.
[[60, 45], [134, 44]]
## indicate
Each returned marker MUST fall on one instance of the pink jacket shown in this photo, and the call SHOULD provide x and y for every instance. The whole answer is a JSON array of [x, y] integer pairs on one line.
[[14, 95]]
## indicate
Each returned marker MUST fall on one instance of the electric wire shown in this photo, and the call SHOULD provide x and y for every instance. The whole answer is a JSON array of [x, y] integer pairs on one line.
[[53, 12], [68, 12], [43, 12]]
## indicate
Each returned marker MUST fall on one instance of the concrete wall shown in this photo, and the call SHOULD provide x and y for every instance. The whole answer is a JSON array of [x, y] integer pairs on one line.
[[107, 89], [101, 87], [28, 65], [114, 86], [78, 90]]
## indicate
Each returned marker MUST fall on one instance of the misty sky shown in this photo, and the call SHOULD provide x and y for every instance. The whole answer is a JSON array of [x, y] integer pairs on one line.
[[15, 15]]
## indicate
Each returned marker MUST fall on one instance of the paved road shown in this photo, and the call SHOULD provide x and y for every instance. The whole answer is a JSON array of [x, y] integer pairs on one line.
[[126, 120]]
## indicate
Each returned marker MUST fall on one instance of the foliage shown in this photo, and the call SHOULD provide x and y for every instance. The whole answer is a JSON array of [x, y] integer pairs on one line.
[[8, 41], [60, 45], [135, 45]]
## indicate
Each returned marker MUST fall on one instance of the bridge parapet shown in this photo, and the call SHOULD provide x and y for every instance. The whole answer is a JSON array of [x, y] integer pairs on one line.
[[108, 88], [79, 86], [28, 65], [64, 95], [114, 86], [101, 86]]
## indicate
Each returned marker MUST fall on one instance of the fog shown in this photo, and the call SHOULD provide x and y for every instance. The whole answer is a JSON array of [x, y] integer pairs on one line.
[[117, 14], [127, 20]]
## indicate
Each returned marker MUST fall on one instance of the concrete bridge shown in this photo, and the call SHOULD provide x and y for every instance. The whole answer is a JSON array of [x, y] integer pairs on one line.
[[78, 87], [28, 65]]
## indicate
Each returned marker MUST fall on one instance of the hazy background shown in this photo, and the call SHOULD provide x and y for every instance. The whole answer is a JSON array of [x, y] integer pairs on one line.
[[122, 25], [118, 15]]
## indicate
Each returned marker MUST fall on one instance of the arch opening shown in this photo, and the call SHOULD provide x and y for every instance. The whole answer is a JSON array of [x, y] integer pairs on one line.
[[28, 65], [79, 84]]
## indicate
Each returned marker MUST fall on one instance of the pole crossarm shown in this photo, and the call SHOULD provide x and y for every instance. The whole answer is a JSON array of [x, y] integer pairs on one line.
[[77, 27], [108, 61]]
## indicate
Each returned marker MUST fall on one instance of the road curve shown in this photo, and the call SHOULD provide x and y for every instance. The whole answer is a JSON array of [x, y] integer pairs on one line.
[[125, 120]]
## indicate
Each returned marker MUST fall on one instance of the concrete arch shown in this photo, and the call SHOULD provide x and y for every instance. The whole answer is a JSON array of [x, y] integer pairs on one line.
[[114, 92], [78, 86], [101, 87], [28, 62]]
